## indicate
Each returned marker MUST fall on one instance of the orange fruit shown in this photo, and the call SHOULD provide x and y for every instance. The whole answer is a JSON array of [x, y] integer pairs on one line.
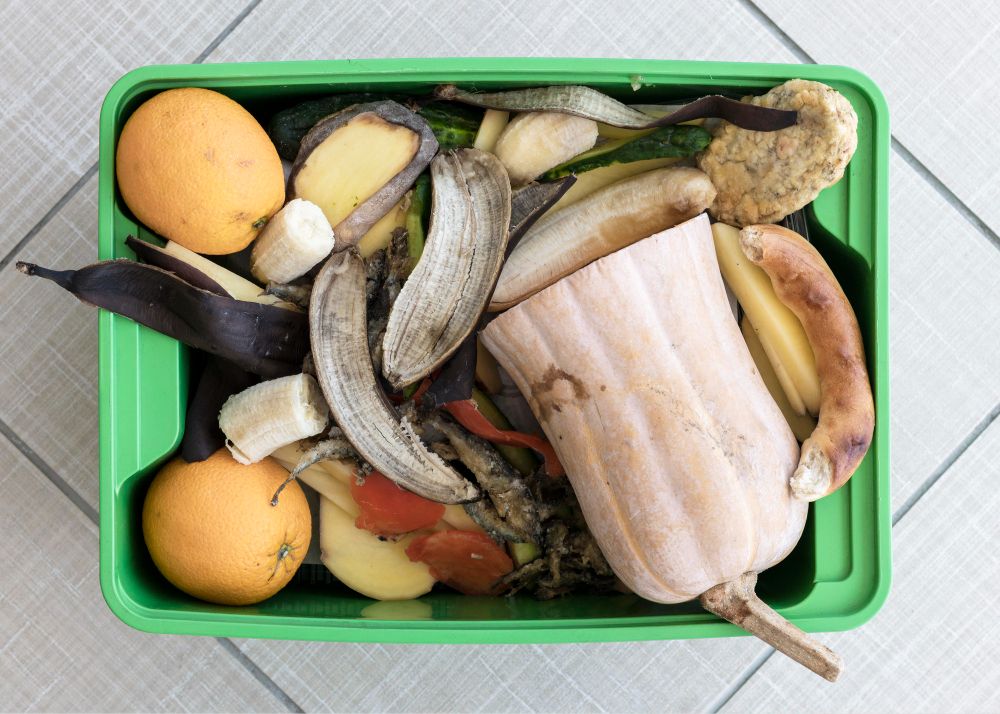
[[212, 531], [197, 168]]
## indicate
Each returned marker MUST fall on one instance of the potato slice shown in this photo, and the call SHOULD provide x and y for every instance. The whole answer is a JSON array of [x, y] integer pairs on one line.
[[802, 424], [780, 332], [376, 568], [379, 235], [357, 164]]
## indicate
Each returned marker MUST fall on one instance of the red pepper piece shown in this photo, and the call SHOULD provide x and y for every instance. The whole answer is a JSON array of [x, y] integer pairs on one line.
[[468, 415]]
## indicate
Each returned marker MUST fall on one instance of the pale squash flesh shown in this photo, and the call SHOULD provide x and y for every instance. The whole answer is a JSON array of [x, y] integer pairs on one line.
[[642, 382]]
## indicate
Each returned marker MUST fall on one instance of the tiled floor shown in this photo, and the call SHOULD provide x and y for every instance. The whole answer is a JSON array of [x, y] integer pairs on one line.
[[933, 647]]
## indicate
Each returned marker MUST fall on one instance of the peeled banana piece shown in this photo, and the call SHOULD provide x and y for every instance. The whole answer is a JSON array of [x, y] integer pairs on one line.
[[534, 142], [295, 239], [372, 566], [261, 419]]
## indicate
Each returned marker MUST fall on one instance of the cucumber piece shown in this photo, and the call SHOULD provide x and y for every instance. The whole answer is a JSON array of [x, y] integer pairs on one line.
[[666, 142], [454, 125], [520, 458], [523, 553], [288, 126], [416, 218]]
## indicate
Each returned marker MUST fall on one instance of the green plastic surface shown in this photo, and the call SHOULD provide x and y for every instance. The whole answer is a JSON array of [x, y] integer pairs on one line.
[[837, 577]]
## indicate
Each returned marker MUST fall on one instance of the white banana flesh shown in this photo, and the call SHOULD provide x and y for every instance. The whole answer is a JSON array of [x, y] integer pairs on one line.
[[490, 129], [563, 241], [263, 418], [295, 239], [780, 332], [534, 142]]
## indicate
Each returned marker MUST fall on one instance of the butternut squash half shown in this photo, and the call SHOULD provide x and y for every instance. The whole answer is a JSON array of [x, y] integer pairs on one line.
[[678, 455]]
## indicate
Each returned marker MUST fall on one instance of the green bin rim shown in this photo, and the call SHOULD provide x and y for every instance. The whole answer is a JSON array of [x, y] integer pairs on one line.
[[497, 71]]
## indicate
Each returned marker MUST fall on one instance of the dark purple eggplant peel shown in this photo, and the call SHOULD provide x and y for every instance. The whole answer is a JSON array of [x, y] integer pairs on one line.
[[262, 339]]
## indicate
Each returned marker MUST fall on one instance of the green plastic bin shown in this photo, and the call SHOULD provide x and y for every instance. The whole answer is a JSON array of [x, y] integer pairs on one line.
[[836, 578]]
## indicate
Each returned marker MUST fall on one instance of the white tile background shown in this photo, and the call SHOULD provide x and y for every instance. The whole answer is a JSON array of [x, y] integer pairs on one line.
[[932, 648]]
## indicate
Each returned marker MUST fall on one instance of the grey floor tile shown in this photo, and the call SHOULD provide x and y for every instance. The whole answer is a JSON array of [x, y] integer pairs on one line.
[[60, 58], [934, 645], [61, 649], [939, 66]]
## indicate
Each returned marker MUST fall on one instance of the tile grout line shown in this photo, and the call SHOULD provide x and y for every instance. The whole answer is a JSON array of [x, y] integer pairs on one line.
[[955, 202], [49, 215], [91, 513], [730, 691], [946, 193], [260, 675], [244, 660], [736, 685], [949, 196], [945, 465], [50, 473], [92, 170], [775, 29], [971, 217], [226, 31]]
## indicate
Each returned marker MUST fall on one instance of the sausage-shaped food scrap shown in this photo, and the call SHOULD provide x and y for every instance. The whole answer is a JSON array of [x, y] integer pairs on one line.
[[804, 282]]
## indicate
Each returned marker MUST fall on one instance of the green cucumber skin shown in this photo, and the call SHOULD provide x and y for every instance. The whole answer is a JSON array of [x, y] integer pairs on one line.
[[454, 125], [679, 141], [288, 126], [523, 460], [416, 218]]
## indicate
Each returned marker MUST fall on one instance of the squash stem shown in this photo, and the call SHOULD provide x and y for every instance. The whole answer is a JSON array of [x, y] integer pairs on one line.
[[737, 602]]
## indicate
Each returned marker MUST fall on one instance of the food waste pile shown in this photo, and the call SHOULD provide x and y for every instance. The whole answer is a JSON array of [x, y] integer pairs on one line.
[[533, 342]]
